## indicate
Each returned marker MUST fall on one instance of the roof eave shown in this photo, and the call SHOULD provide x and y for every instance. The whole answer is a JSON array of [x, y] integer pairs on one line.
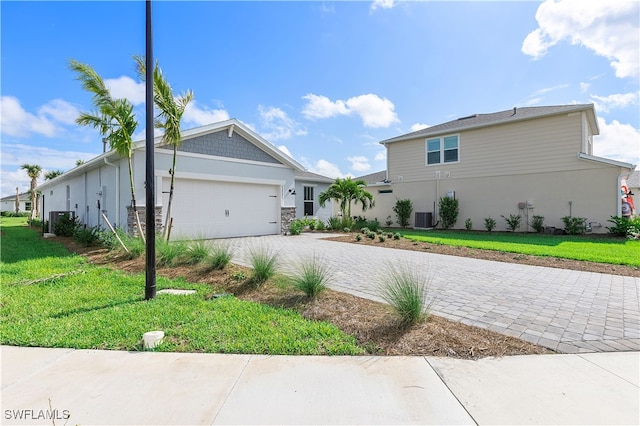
[[608, 161]]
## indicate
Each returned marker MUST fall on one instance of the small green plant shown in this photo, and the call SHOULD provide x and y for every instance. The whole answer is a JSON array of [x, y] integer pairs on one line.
[[219, 257], [365, 230], [320, 226], [346, 229], [239, 276], [405, 289], [264, 263], [66, 225], [449, 209], [170, 253], [371, 235], [334, 223], [489, 224], [381, 238], [312, 277], [403, 209], [197, 252], [87, 236], [389, 234], [574, 225], [513, 221], [358, 237], [388, 222], [468, 225], [396, 236], [295, 228], [537, 223]]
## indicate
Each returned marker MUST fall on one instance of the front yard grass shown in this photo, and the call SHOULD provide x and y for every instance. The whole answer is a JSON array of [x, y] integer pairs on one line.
[[590, 248], [51, 298]]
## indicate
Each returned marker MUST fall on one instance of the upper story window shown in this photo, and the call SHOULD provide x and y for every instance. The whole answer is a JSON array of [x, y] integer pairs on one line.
[[443, 150]]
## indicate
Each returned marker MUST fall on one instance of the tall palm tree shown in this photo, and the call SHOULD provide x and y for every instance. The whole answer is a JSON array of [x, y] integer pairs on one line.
[[113, 118], [170, 111], [52, 174], [33, 171], [345, 191]]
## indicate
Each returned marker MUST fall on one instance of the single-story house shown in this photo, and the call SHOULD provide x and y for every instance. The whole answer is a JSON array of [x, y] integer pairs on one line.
[[307, 190], [527, 161], [229, 182], [8, 203]]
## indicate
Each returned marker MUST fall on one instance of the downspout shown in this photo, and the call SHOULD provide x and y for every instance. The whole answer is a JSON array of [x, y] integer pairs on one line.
[[116, 190]]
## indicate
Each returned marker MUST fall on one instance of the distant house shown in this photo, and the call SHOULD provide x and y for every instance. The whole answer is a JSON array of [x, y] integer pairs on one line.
[[230, 182], [307, 190], [527, 161], [8, 203]]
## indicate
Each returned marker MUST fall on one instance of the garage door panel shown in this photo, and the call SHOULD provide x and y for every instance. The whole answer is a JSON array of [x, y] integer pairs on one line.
[[212, 209]]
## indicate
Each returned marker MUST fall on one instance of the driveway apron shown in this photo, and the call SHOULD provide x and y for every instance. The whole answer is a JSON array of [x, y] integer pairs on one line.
[[564, 310]]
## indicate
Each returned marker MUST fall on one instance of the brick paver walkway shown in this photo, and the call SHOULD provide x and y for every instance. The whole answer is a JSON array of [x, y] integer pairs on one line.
[[564, 310]]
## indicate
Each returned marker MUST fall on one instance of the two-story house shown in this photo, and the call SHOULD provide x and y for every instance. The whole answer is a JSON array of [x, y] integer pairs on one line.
[[527, 161]]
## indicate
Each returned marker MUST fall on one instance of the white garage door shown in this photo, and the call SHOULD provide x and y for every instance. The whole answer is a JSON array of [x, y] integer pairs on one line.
[[212, 209]]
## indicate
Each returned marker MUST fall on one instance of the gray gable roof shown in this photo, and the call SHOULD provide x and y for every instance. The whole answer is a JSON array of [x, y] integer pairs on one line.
[[373, 178], [312, 177], [508, 116]]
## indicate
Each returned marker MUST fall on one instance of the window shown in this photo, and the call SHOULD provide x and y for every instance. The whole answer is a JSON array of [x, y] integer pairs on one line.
[[27, 206], [308, 200], [442, 150]]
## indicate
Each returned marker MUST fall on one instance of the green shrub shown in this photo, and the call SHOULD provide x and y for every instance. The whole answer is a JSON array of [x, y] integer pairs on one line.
[[334, 223], [320, 225], [388, 222], [403, 209], [624, 226], [87, 236], [513, 221], [66, 225], [197, 252], [170, 253], [371, 235], [396, 236], [468, 225], [219, 257], [365, 230], [405, 289], [381, 238], [373, 225], [489, 224], [358, 237], [537, 223], [312, 277], [264, 263], [449, 209], [574, 225], [389, 234], [295, 228]]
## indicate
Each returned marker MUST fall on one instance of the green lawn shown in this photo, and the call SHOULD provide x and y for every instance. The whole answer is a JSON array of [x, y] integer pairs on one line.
[[101, 308], [592, 248]]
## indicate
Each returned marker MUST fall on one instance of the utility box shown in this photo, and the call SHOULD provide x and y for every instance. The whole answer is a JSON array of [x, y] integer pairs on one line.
[[423, 220], [54, 216]]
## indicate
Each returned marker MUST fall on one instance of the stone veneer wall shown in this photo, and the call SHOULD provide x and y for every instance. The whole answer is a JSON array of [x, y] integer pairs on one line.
[[132, 229], [287, 215]]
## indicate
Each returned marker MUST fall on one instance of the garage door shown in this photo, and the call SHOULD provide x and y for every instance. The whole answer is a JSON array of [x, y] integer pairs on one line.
[[212, 209]]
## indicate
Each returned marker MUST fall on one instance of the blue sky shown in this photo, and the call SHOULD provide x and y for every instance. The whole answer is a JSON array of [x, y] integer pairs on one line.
[[323, 81]]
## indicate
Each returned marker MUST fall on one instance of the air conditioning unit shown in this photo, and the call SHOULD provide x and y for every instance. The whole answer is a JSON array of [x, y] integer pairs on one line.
[[423, 220], [54, 216]]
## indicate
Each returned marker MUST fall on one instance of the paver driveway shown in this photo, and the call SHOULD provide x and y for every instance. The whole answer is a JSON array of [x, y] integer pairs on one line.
[[567, 311]]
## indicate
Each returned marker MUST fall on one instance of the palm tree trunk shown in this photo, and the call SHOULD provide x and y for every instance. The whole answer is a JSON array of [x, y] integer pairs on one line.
[[133, 201], [172, 172]]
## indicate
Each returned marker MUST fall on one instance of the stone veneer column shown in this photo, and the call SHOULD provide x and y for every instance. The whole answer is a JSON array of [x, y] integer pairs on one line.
[[132, 229], [287, 215]]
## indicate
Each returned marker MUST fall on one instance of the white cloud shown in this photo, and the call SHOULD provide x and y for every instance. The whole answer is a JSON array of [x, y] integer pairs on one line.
[[418, 126], [617, 141], [382, 4], [323, 107], [609, 28], [15, 121], [381, 156], [128, 88], [373, 110], [194, 114], [277, 124], [325, 168], [285, 150], [359, 163], [60, 110], [584, 87], [616, 101]]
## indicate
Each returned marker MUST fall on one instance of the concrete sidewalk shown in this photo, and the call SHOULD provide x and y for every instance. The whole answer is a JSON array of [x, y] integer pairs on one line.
[[111, 387]]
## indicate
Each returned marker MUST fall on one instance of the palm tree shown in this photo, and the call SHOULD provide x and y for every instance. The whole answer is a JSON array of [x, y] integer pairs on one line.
[[33, 171], [79, 162], [169, 116], [114, 119], [345, 191], [52, 174]]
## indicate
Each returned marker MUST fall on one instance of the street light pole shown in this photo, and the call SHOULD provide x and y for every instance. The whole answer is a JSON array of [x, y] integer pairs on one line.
[[150, 286]]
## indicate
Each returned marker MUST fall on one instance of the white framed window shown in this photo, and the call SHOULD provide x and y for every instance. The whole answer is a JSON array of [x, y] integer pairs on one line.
[[308, 200], [27, 206], [444, 149]]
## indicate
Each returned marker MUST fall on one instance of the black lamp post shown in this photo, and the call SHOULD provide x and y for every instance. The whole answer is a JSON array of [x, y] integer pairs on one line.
[[150, 286]]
